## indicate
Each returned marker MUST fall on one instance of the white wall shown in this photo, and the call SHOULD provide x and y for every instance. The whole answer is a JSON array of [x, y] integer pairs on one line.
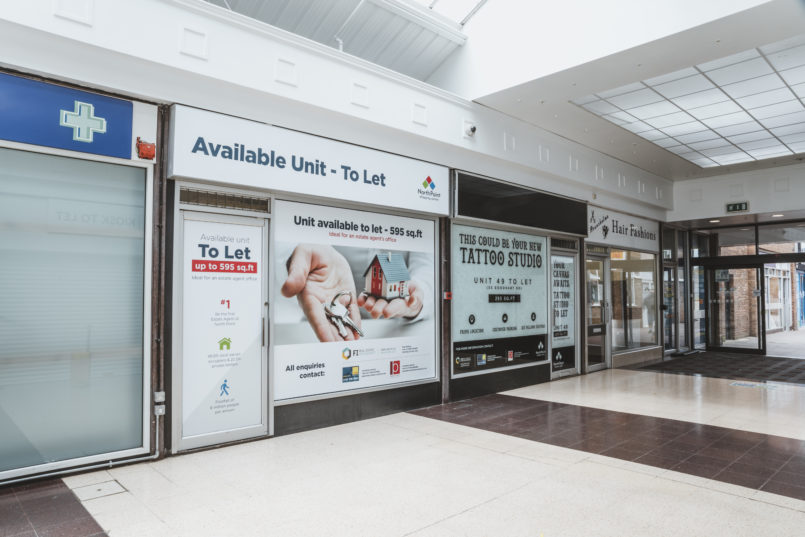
[[514, 41], [189, 52], [774, 190]]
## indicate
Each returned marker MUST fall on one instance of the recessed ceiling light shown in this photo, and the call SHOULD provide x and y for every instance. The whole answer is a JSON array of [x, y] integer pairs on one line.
[[777, 215], [715, 221], [745, 229]]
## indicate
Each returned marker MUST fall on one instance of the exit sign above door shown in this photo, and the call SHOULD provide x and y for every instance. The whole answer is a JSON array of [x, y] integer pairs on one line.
[[738, 207]]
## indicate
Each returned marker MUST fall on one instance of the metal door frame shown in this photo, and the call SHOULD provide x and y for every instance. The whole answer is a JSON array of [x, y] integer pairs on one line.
[[606, 314], [179, 442], [760, 275]]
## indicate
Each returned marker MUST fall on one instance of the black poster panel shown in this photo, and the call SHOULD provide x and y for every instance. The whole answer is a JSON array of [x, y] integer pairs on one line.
[[563, 358], [503, 202], [486, 354]]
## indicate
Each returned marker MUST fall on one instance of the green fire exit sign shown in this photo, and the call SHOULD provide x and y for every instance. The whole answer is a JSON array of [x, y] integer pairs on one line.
[[738, 207]]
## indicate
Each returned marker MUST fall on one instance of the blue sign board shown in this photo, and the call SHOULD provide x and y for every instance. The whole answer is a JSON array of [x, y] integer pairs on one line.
[[34, 112]]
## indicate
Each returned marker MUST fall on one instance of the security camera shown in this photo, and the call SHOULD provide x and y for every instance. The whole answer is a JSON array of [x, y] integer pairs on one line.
[[471, 130]]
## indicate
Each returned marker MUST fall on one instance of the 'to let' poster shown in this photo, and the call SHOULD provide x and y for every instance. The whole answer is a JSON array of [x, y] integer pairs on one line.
[[499, 305], [222, 327]]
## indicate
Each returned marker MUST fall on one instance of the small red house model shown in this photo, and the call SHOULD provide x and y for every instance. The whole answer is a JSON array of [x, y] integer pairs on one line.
[[387, 277]]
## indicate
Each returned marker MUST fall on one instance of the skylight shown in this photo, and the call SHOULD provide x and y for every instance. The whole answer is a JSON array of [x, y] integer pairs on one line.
[[458, 11], [742, 108]]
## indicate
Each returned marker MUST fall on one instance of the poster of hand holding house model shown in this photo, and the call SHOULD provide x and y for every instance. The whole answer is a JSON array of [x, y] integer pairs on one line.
[[355, 306]]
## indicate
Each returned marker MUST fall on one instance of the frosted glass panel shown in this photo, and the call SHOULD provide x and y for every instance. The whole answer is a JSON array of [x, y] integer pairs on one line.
[[71, 308]]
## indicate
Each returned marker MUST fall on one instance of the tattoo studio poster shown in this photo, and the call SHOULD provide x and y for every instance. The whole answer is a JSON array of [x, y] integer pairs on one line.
[[499, 310], [380, 271]]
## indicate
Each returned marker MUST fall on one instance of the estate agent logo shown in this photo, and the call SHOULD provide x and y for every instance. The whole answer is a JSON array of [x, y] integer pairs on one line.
[[224, 344], [428, 190], [83, 122]]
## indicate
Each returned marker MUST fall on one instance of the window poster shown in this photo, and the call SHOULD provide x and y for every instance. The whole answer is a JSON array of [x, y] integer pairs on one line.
[[499, 304], [563, 306], [222, 358], [353, 300]]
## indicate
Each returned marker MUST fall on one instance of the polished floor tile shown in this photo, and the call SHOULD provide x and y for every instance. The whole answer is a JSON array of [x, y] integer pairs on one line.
[[701, 450], [766, 408], [409, 475], [44, 509]]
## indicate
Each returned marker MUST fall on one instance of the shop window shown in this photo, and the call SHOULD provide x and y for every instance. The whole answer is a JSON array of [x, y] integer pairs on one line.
[[72, 238], [781, 239], [634, 310], [733, 241]]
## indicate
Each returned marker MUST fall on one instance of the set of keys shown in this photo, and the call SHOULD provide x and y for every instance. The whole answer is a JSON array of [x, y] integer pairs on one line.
[[338, 314]]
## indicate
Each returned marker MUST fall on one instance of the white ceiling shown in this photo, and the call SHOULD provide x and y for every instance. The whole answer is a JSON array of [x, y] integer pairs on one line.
[[741, 108], [721, 97], [403, 35]]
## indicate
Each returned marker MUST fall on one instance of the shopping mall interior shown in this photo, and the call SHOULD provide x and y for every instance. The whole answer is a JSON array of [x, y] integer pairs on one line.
[[402, 268]]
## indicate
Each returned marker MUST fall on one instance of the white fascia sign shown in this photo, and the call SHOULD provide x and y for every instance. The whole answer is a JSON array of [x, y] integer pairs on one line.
[[611, 228], [225, 149]]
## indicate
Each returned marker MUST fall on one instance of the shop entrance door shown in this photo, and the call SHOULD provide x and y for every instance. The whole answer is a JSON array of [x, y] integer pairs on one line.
[[668, 309], [801, 293], [597, 313], [735, 309], [220, 352]]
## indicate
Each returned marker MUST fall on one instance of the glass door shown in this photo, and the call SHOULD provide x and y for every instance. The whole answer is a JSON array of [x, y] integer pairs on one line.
[[735, 310], [597, 312], [801, 293], [668, 308]]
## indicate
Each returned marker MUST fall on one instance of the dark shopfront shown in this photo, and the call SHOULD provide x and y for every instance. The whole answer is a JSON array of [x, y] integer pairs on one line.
[[513, 316]]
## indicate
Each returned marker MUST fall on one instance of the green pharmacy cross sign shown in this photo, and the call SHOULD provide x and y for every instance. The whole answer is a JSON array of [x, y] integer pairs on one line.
[[738, 207]]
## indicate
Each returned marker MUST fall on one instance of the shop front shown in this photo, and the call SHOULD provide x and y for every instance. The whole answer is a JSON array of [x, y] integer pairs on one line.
[[621, 311], [75, 280], [304, 280], [513, 258]]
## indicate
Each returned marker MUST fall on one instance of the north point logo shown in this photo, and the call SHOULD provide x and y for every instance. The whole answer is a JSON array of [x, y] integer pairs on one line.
[[428, 190]]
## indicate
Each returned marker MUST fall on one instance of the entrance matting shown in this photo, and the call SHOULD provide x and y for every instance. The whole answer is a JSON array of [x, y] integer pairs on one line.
[[725, 365], [765, 462]]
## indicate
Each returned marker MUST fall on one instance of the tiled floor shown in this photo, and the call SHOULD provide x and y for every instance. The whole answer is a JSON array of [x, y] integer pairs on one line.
[[44, 509], [735, 366], [408, 475], [769, 408], [770, 463]]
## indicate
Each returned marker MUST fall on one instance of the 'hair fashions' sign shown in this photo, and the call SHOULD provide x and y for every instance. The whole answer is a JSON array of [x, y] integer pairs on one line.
[[617, 229]]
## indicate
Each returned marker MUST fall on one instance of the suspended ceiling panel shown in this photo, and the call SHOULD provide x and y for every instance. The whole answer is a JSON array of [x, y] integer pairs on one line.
[[401, 36], [741, 108]]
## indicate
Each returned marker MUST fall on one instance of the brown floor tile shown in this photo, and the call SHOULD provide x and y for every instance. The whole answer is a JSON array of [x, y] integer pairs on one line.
[[749, 469], [738, 478], [658, 461], [13, 520], [784, 489], [78, 527], [789, 478], [624, 453], [697, 469], [771, 463], [724, 454]]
